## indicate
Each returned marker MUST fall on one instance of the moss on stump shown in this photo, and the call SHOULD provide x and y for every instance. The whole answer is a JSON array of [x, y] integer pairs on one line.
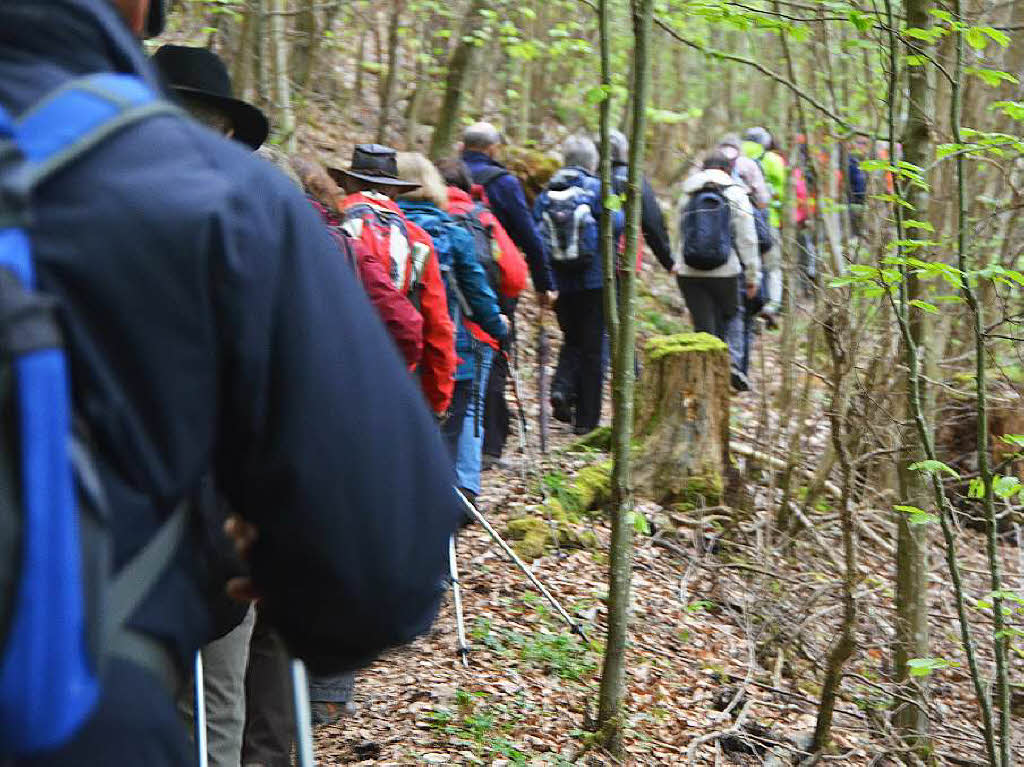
[[682, 420]]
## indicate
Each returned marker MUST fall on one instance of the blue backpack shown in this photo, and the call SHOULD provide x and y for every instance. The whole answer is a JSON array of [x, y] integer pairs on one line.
[[707, 235], [62, 611]]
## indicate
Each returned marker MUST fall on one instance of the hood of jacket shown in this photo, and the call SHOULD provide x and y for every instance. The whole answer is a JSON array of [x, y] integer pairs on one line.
[[459, 198], [43, 41], [704, 177], [570, 176]]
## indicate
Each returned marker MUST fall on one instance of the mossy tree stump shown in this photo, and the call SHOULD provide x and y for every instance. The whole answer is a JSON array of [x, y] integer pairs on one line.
[[682, 420]]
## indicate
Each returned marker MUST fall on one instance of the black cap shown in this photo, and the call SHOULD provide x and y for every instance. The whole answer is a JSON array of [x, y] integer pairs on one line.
[[375, 164]]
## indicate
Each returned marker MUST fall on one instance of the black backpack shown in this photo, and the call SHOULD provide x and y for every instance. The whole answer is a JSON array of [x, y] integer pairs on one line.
[[706, 230], [567, 223], [487, 251]]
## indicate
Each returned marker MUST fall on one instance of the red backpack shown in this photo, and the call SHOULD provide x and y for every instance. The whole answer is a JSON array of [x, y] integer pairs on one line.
[[379, 225]]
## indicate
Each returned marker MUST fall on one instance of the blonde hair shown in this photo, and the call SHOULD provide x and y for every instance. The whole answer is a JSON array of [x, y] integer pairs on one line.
[[415, 167]]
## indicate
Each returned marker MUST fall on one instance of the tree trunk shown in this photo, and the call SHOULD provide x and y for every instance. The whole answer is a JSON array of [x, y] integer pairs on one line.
[[911, 640], [611, 717], [458, 67], [611, 310], [241, 65], [282, 83], [683, 419], [387, 94]]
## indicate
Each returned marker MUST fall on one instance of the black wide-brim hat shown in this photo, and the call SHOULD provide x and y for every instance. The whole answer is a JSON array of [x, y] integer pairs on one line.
[[374, 164], [198, 73]]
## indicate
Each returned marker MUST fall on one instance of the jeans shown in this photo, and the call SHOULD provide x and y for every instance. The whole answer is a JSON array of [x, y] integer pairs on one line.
[[580, 372], [224, 663], [773, 272], [716, 307], [469, 448]]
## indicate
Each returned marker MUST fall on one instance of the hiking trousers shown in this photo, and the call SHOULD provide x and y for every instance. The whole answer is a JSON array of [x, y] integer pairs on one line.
[[715, 308], [497, 416], [269, 714], [224, 663], [580, 372], [469, 445]]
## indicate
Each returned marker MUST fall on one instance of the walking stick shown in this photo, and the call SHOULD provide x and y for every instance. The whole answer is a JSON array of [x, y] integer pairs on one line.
[[199, 710], [573, 625], [453, 571], [303, 719], [543, 349]]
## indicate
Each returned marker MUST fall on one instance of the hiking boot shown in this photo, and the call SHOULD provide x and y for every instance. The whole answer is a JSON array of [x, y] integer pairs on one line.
[[467, 518], [561, 409], [582, 430], [493, 462], [739, 380], [330, 712]]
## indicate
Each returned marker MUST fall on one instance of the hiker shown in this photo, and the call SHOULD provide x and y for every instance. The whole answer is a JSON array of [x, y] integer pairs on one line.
[[198, 78], [718, 255], [471, 302], [804, 204], [215, 333], [759, 146], [370, 216], [856, 183], [403, 322], [652, 221], [506, 271], [481, 148], [568, 213]]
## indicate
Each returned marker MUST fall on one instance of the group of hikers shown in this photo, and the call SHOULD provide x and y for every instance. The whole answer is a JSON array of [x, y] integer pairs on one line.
[[282, 384]]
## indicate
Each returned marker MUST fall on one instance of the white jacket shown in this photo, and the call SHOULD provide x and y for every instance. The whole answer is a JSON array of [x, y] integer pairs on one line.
[[741, 219]]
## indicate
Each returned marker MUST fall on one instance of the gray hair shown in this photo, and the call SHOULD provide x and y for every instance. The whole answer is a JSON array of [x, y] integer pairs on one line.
[[481, 136], [581, 152], [731, 139], [620, 146]]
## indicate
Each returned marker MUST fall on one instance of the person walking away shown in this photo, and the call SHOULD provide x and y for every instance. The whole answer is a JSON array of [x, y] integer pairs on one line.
[[403, 322], [471, 301], [803, 218], [215, 333], [198, 78], [506, 271], [370, 215], [481, 148], [718, 257], [568, 213], [759, 145], [652, 221]]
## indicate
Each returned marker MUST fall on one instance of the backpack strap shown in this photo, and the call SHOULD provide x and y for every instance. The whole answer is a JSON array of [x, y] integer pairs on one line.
[[52, 135]]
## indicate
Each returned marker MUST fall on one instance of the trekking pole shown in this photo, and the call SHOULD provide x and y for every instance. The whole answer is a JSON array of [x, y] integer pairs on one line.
[[514, 376], [576, 627], [199, 710], [460, 627], [303, 719]]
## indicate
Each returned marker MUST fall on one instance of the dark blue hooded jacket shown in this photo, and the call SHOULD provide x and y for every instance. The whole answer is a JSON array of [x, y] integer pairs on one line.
[[213, 331], [508, 203], [456, 251]]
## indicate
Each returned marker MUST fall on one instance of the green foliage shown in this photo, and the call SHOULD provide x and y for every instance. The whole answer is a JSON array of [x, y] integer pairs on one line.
[[925, 666]]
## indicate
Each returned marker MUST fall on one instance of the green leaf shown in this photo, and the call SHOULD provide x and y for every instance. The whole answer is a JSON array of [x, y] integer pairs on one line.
[[1006, 487], [991, 77], [976, 39], [997, 35], [925, 666], [596, 95], [976, 489], [614, 202], [928, 35], [912, 224], [925, 306], [869, 165], [933, 466], [913, 59]]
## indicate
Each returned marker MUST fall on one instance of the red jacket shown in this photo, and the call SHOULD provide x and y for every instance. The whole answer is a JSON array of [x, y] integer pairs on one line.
[[404, 323], [510, 261], [438, 362]]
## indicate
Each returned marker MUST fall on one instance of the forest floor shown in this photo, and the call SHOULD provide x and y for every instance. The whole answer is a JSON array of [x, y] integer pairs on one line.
[[730, 632]]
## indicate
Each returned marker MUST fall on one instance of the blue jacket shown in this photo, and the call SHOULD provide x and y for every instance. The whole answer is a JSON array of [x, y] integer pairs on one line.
[[214, 332], [456, 252], [508, 203], [592, 277]]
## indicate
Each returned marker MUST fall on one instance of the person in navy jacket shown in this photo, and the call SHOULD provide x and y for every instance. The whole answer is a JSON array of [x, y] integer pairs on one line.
[[579, 378], [214, 333]]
